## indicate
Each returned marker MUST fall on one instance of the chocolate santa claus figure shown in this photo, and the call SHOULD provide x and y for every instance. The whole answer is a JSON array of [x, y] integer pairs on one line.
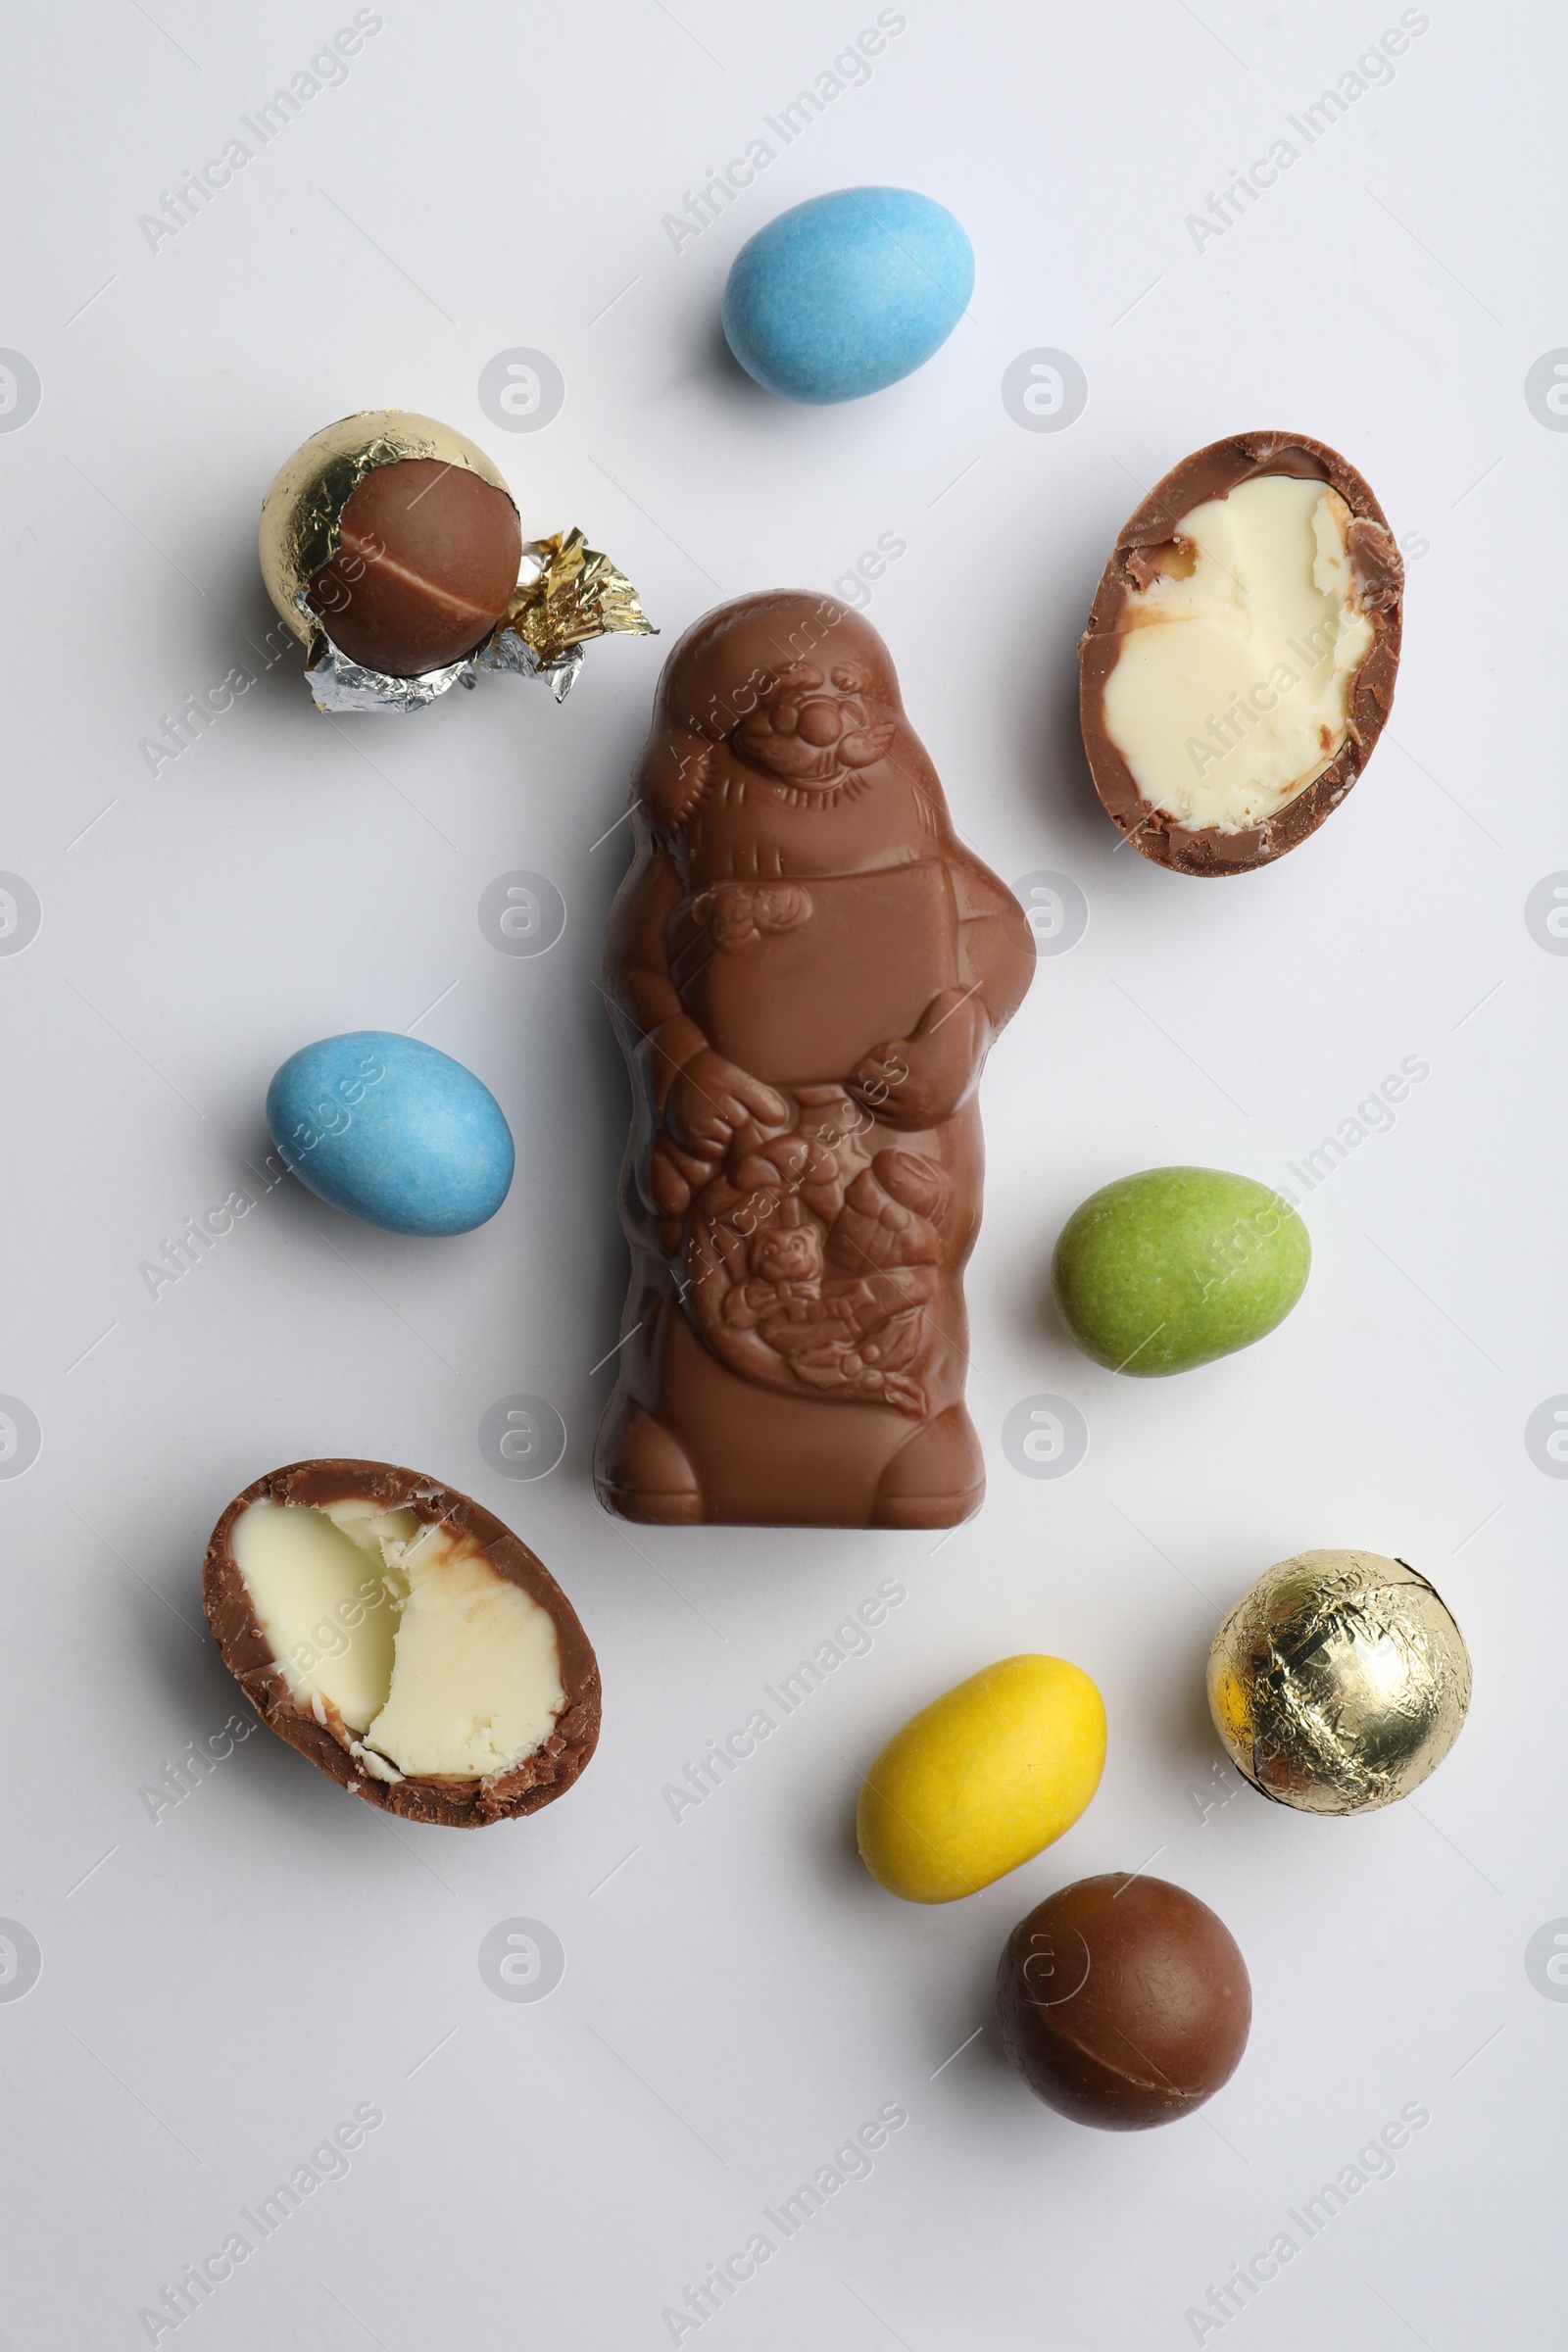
[[806, 969]]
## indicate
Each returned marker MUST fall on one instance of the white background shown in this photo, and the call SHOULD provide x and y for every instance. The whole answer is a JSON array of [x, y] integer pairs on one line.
[[219, 1989]]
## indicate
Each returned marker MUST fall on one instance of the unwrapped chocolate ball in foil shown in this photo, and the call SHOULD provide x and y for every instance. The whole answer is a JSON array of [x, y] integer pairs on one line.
[[1339, 1682], [393, 549]]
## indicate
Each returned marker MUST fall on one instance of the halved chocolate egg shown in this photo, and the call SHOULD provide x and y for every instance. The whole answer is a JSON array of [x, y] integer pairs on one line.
[[1240, 658], [403, 1640]]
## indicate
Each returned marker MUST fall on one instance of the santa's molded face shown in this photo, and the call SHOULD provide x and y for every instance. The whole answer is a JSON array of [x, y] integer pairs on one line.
[[787, 1253], [815, 725]]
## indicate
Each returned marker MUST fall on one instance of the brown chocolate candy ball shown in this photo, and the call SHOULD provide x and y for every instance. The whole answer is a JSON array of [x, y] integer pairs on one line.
[[426, 564], [1124, 2002]]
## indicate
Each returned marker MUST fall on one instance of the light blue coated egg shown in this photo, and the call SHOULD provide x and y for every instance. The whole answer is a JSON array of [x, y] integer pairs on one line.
[[846, 293], [391, 1131]]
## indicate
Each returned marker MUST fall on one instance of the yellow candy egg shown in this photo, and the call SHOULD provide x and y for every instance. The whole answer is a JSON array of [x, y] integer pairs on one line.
[[983, 1779]]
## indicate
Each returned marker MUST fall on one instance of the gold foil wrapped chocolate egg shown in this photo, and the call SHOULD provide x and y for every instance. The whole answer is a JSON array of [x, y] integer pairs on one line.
[[1339, 1683], [302, 514], [393, 549]]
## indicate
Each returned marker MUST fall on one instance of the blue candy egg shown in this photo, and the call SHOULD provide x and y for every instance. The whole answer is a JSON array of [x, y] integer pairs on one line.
[[846, 293], [391, 1131]]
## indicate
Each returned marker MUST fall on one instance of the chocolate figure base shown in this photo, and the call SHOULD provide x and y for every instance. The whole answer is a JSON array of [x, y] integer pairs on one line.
[[728, 1454], [806, 968]]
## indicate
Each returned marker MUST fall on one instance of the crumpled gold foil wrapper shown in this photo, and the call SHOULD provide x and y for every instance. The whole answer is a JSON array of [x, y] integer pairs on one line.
[[1339, 1683], [576, 595], [572, 594]]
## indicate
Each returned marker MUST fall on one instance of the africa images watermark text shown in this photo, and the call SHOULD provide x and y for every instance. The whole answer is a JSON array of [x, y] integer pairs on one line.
[[850, 70], [1373, 70], [178, 207]]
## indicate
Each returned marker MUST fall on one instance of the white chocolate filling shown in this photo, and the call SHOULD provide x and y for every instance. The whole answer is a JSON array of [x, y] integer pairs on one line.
[[1229, 695], [401, 1636]]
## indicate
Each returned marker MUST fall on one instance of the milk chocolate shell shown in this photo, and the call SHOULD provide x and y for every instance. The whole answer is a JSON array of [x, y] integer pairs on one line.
[[404, 1641], [1221, 744], [1123, 2002], [426, 560]]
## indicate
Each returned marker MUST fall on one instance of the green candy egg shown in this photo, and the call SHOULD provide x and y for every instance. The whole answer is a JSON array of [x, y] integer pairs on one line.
[[1173, 1267]]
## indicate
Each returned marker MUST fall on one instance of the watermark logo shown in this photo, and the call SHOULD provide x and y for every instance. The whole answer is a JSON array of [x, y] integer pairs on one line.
[[521, 390], [1545, 914], [1547, 1437], [1044, 1437], [854, 586], [19, 391], [522, 1437], [20, 913], [1057, 908], [1055, 1966], [522, 913], [21, 1962], [1545, 389], [522, 1960], [1225, 1784], [1546, 1960], [1044, 390], [21, 1437]]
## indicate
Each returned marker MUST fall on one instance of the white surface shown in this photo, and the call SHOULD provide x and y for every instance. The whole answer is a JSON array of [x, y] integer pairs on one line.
[[227, 1984]]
